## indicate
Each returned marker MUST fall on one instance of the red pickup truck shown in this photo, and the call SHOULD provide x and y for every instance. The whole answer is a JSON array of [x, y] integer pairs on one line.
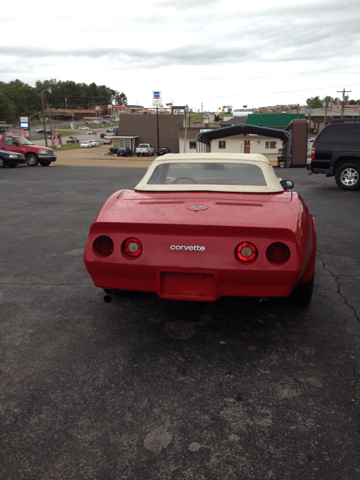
[[34, 154]]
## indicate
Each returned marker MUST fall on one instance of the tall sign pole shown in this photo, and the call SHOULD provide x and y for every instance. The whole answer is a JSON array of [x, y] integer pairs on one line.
[[156, 101]]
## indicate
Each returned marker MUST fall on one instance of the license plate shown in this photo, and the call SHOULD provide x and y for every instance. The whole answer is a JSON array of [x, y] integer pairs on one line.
[[188, 285]]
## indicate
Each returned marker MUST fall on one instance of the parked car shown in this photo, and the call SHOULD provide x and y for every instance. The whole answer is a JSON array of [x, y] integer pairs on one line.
[[40, 130], [107, 141], [336, 152], [102, 135], [163, 151], [124, 152], [201, 226], [83, 128], [144, 149], [90, 132], [109, 130], [86, 144], [34, 154], [94, 143], [10, 159], [72, 139]]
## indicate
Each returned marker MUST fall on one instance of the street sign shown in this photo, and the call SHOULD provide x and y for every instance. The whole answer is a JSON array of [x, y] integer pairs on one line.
[[156, 98]]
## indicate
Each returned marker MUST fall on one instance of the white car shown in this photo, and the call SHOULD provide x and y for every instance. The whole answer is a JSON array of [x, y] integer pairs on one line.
[[84, 128], [94, 143], [86, 144]]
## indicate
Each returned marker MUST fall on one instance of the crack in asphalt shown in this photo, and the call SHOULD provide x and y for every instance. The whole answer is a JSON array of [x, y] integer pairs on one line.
[[338, 286], [353, 384]]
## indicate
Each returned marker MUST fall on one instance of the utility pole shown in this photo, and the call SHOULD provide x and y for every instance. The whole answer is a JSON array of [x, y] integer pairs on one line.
[[343, 100], [157, 126], [43, 110]]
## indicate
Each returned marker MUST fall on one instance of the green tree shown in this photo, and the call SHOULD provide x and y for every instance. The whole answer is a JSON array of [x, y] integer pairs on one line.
[[7, 108], [314, 102], [120, 98]]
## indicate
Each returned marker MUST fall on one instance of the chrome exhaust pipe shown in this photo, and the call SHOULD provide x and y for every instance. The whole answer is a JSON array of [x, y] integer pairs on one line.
[[264, 302]]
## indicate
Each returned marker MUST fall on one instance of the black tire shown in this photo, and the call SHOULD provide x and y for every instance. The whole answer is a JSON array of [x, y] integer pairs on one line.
[[45, 163], [348, 176], [302, 294], [32, 160], [2, 163]]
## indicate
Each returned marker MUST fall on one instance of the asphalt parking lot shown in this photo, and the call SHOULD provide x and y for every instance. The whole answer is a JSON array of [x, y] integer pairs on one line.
[[142, 388]]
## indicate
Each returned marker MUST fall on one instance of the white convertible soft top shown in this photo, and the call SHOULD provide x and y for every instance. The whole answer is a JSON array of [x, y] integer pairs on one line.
[[194, 172]]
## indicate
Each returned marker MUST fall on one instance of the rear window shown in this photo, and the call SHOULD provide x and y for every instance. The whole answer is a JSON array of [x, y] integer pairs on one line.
[[207, 174], [340, 133]]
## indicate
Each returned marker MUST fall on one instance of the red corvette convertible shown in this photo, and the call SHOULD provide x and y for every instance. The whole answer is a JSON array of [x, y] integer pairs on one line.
[[202, 226]]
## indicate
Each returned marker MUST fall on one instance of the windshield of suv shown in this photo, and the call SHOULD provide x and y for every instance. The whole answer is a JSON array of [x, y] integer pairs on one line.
[[23, 141]]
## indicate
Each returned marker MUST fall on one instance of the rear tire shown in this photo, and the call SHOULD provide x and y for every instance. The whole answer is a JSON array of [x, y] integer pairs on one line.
[[32, 160], [347, 176], [2, 163], [302, 294]]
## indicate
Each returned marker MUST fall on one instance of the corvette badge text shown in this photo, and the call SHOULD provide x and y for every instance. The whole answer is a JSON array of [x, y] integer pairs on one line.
[[195, 248]]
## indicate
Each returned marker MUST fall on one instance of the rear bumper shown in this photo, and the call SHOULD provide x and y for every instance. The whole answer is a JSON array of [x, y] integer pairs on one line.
[[327, 171], [194, 285]]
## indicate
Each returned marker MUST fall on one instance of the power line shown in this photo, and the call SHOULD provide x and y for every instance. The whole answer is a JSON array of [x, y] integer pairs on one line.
[[276, 93]]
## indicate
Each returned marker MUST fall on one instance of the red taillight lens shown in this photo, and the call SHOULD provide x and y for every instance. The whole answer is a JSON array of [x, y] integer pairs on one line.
[[278, 252], [104, 245], [132, 247], [246, 252], [313, 153]]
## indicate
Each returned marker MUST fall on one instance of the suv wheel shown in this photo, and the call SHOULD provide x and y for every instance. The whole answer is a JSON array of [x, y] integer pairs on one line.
[[348, 176]]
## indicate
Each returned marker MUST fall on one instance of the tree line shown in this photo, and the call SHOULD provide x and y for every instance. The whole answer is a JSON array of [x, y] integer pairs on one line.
[[20, 99], [316, 102]]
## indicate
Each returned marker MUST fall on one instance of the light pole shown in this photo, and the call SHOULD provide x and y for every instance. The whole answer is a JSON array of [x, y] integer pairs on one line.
[[42, 104]]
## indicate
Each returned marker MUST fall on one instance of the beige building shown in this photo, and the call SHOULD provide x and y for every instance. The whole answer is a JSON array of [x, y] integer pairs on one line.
[[248, 143]]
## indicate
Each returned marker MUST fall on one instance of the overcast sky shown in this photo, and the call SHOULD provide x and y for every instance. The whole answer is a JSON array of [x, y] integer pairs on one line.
[[204, 53]]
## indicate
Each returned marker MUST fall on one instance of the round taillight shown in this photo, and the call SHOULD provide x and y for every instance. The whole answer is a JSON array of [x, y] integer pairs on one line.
[[132, 247], [278, 252], [104, 245], [246, 252]]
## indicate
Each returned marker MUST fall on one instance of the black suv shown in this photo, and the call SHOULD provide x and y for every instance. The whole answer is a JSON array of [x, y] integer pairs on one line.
[[336, 151]]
